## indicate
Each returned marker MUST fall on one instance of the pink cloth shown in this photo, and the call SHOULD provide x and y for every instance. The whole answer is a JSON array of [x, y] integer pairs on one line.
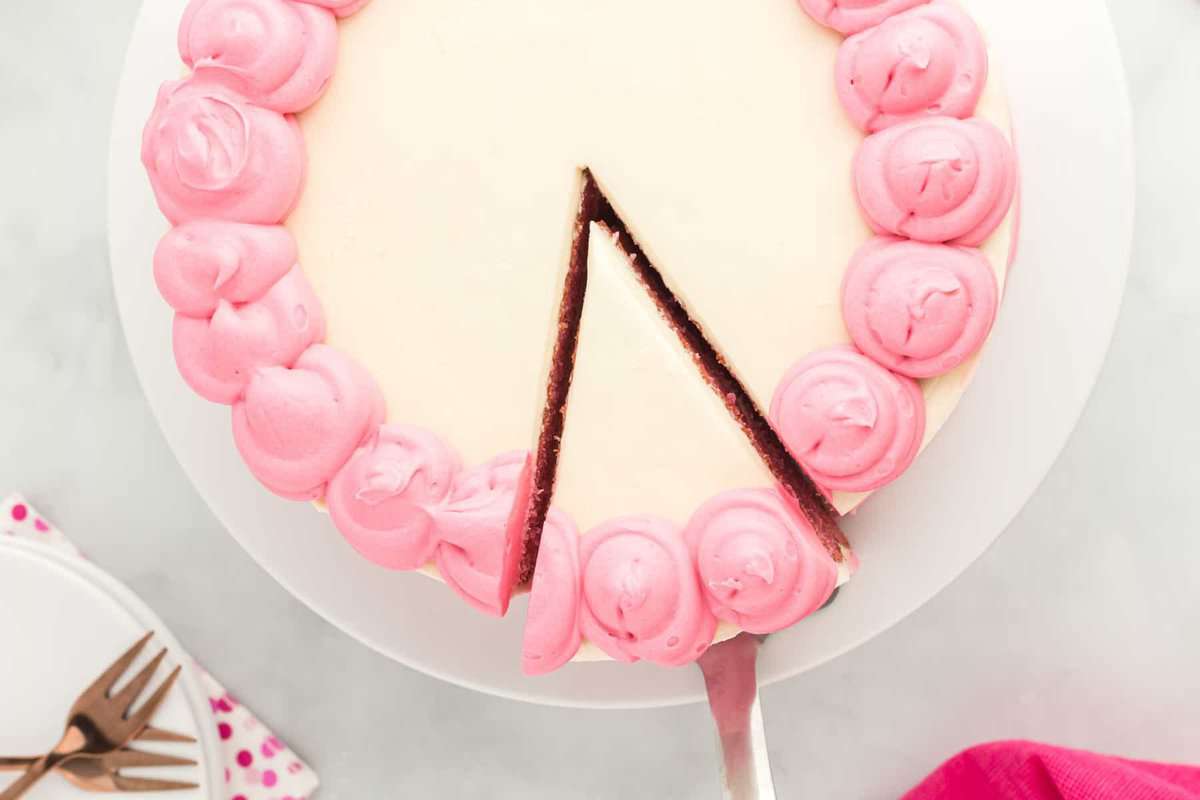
[[1031, 771]]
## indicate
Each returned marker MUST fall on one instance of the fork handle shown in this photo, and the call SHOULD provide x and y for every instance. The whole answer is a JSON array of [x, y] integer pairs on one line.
[[16, 763], [33, 773]]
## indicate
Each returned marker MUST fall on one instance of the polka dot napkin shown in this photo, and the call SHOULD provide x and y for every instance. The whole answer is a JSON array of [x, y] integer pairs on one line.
[[257, 765]]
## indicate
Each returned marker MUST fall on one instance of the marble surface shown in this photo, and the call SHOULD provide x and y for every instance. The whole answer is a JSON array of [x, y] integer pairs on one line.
[[1080, 626]]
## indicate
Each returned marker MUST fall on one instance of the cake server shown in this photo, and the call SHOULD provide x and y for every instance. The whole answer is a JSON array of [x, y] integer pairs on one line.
[[731, 678]]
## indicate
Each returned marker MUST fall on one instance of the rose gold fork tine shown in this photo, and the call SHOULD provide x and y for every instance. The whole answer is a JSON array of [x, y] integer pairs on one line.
[[153, 734], [143, 714], [125, 698], [124, 784], [127, 759], [102, 685], [98, 722]]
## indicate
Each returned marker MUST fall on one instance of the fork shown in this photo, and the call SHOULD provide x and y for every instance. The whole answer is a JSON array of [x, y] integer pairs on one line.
[[100, 721], [103, 773], [149, 734], [83, 773]]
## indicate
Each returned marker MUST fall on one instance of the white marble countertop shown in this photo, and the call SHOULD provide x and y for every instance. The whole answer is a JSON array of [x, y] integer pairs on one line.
[[1080, 626]]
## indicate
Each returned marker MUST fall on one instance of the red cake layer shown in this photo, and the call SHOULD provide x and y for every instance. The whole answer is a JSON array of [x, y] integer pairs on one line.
[[562, 367]]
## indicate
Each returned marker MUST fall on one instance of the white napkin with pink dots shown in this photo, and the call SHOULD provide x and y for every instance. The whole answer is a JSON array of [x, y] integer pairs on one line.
[[257, 765]]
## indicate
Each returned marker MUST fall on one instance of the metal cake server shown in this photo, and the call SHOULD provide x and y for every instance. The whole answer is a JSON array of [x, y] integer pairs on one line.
[[731, 678]]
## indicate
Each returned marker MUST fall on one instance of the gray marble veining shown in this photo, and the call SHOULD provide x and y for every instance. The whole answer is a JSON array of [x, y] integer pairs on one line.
[[1079, 626]]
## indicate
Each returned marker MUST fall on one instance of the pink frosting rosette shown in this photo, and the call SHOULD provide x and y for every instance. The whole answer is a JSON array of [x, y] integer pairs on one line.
[[218, 356], [211, 153], [937, 180], [199, 264], [930, 61], [278, 54], [762, 566], [852, 16], [852, 424], [482, 528], [295, 428], [641, 595], [383, 501], [552, 634], [919, 309], [343, 8]]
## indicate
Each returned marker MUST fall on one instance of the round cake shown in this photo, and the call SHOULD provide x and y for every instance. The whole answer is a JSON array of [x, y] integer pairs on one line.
[[622, 303]]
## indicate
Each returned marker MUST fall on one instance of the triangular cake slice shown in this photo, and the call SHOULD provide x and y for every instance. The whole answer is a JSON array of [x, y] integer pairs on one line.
[[644, 432], [647, 447]]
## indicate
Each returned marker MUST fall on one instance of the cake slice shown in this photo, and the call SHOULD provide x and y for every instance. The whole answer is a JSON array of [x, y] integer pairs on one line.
[[644, 431], [648, 447]]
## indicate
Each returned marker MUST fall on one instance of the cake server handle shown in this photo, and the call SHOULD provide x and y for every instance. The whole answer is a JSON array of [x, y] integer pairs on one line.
[[731, 678]]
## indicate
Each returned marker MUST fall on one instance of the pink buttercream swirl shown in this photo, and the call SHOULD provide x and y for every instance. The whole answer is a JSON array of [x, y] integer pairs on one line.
[[481, 528], [404, 501], [641, 595], [852, 424], [218, 356], [211, 153], [761, 565], [919, 309], [343, 8], [295, 428], [383, 500], [278, 54], [930, 61], [552, 633], [199, 264], [937, 180], [852, 16]]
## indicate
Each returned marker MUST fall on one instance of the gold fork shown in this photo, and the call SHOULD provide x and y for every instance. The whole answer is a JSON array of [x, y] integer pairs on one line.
[[103, 773], [101, 722], [82, 772]]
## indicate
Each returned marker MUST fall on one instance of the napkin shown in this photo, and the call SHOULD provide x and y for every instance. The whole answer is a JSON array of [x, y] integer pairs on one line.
[[1031, 771], [258, 766]]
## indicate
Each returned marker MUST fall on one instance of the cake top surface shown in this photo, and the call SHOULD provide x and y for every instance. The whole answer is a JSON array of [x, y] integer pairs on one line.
[[443, 178]]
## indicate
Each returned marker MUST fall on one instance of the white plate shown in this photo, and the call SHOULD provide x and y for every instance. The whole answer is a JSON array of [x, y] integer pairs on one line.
[[65, 621], [1073, 128]]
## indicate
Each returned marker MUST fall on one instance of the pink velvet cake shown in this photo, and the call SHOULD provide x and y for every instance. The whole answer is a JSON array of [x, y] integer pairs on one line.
[[623, 304]]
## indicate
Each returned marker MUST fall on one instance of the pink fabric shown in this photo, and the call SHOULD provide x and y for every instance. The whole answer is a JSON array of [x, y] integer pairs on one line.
[[1031, 771]]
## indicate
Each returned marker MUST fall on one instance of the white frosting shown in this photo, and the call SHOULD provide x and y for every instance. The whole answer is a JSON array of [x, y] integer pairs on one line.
[[443, 183]]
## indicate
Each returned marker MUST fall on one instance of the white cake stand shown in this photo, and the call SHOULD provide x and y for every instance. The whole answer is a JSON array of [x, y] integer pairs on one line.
[[1074, 134]]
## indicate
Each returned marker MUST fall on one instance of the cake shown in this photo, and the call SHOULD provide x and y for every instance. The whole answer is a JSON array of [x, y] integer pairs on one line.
[[624, 304]]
